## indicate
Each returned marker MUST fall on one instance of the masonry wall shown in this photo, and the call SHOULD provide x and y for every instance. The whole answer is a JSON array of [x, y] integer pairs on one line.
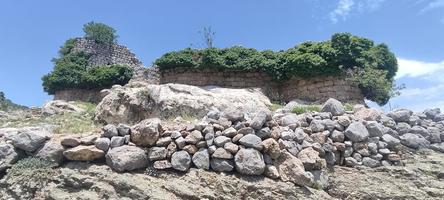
[[233, 78], [106, 54], [319, 89], [316, 89], [92, 96]]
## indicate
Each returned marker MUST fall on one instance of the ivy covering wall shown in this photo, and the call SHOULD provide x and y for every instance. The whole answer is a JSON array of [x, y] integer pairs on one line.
[[372, 66]]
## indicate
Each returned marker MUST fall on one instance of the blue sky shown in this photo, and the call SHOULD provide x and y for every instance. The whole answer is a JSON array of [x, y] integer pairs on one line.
[[32, 31]]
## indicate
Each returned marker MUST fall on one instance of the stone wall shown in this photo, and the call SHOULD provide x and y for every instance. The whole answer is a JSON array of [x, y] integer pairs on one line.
[[316, 89], [231, 79], [93, 96], [105, 54], [319, 89]]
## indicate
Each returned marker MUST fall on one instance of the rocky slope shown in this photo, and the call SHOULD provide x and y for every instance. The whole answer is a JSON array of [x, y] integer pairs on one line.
[[421, 178], [229, 153]]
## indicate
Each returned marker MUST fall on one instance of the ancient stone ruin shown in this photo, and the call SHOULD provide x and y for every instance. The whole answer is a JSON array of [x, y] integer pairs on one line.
[[314, 89], [106, 54]]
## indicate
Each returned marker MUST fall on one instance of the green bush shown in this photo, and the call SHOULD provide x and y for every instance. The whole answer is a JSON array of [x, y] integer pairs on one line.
[[306, 108], [105, 76], [32, 171], [71, 71], [99, 32], [342, 53], [67, 47]]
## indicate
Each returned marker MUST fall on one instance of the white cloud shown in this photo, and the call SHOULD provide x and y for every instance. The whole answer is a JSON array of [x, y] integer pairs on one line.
[[426, 85], [415, 68], [346, 7], [342, 10], [432, 6]]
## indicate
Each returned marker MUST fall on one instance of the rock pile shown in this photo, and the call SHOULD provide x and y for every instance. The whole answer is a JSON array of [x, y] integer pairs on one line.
[[295, 148]]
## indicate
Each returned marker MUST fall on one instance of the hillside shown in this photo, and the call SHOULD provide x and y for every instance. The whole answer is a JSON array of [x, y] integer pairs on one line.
[[8, 105]]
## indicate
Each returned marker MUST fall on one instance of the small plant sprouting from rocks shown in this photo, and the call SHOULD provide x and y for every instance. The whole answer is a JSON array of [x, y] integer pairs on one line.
[[33, 173], [348, 107], [275, 105], [304, 109]]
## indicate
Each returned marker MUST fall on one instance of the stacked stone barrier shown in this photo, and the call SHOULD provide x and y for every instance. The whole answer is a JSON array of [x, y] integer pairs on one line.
[[280, 145]]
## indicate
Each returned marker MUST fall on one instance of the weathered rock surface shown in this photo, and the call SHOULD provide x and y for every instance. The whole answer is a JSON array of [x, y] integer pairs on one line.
[[74, 181], [60, 107], [135, 102], [418, 179], [8, 156]]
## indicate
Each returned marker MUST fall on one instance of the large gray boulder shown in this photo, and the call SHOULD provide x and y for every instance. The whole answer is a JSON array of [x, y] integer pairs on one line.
[[356, 132], [137, 101], [249, 162], [375, 129], [391, 141], [221, 165], [52, 151], [252, 141], [259, 120], [414, 141], [157, 153], [30, 139], [8, 156], [432, 113], [181, 161], [103, 143], [126, 158], [333, 106], [400, 115], [202, 159]]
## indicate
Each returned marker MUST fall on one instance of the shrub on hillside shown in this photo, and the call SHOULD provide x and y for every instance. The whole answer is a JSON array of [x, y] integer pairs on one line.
[[335, 57]]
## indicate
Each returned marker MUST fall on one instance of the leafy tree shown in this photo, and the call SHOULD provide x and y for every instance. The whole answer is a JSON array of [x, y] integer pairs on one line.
[[99, 32]]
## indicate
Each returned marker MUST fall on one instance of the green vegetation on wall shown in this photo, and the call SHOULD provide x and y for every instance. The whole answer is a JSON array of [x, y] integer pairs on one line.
[[373, 67], [99, 32], [71, 70]]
